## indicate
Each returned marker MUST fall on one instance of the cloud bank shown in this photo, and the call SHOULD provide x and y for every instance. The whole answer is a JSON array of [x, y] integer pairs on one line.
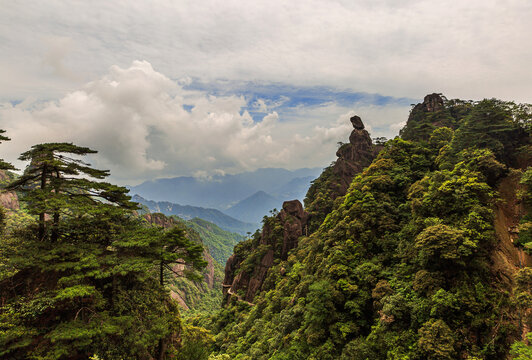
[[469, 49], [145, 125]]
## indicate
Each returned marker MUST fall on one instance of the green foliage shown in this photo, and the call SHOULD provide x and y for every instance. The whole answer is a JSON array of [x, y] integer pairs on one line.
[[196, 343], [399, 267], [525, 227], [522, 350], [219, 242], [4, 165], [495, 125], [89, 278], [421, 123], [436, 340]]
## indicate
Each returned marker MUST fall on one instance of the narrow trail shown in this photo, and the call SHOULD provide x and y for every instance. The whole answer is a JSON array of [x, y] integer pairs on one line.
[[238, 297]]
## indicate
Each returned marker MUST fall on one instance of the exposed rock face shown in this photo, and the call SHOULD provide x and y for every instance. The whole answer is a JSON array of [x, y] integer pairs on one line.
[[160, 220], [425, 117], [8, 200], [357, 122], [293, 220], [431, 103], [354, 156]]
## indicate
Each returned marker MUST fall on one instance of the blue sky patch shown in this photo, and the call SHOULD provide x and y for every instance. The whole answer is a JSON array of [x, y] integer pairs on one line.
[[264, 98]]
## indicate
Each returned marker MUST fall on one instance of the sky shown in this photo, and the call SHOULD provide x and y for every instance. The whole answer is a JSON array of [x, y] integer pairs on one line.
[[167, 88]]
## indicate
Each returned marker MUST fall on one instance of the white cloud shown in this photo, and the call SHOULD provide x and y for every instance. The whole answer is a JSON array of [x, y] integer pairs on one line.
[[135, 118], [469, 49], [58, 50]]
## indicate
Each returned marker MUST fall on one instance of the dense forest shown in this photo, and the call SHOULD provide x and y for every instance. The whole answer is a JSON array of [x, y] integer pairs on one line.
[[412, 248]]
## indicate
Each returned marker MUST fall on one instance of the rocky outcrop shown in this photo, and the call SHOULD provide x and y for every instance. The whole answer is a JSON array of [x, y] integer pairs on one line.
[[289, 225], [429, 115], [354, 156], [8, 200], [246, 271], [160, 220], [294, 220], [431, 103], [333, 183]]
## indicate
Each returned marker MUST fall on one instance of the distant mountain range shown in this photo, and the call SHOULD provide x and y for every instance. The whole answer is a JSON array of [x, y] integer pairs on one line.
[[223, 191], [188, 212], [253, 208]]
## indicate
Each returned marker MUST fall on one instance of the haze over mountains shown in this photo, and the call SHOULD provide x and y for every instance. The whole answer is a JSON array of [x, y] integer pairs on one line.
[[246, 196], [188, 212]]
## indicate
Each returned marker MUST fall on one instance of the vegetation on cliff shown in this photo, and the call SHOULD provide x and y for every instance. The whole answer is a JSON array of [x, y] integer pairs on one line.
[[401, 267]]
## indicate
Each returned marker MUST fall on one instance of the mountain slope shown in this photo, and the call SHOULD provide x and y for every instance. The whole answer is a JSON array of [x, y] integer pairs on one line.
[[219, 242], [188, 212], [400, 265]]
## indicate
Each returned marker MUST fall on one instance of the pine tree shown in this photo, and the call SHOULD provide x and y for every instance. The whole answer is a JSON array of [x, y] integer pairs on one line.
[[57, 184], [86, 280], [4, 165]]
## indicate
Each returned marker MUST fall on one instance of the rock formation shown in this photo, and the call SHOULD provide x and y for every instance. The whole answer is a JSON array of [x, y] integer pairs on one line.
[[431, 103], [354, 156], [333, 183], [427, 116], [293, 224]]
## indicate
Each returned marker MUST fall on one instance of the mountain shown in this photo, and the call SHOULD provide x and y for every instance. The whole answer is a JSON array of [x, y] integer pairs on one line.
[[223, 191], [281, 231], [254, 208], [219, 242], [294, 189], [417, 249], [188, 212]]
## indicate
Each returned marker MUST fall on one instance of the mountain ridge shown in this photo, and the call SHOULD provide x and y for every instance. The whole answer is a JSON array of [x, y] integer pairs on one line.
[[223, 191], [188, 212]]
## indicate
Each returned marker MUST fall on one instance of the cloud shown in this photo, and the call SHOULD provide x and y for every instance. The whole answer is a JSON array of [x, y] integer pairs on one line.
[[135, 118], [471, 49], [58, 50]]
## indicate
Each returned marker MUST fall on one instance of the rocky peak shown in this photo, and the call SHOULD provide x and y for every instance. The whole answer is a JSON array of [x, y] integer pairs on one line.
[[357, 122], [425, 117], [431, 104], [281, 235], [354, 156]]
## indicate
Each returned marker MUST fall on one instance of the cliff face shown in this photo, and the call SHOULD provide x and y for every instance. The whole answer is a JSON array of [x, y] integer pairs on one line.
[[278, 237]]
